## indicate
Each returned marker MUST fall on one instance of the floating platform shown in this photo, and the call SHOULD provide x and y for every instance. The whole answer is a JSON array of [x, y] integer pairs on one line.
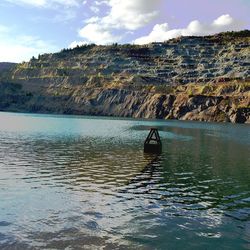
[[153, 143]]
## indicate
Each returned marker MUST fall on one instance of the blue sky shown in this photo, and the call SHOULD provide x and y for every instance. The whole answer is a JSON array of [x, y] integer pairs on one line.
[[32, 27]]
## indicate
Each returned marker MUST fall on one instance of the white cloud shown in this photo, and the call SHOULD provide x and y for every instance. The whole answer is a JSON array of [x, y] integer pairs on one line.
[[123, 16], [96, 33], [101, 2], [64, 15], [224, 20], [66, 9], [46, 3], [93, 19], [131, 14], [162, 32], [77, 43], [22, 48], [94, 9], [3, 29]]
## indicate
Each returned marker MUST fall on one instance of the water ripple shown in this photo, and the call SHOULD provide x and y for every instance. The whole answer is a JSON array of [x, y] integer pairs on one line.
[[93, 189]]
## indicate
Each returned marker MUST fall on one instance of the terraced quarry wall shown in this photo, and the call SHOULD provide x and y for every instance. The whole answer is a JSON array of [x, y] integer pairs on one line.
[[189, 78]]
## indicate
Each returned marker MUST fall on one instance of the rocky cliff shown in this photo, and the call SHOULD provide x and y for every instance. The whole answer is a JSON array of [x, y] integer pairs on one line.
[[189, 78]]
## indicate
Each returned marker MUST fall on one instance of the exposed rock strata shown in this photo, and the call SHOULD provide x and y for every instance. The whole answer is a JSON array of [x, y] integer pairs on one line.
[[191, 78], [129, 103]]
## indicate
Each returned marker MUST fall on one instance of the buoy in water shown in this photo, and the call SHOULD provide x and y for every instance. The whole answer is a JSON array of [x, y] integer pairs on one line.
[[153, 142]]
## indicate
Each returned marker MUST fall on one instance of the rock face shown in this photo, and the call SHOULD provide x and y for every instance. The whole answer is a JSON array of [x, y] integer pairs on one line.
[[190, 78]]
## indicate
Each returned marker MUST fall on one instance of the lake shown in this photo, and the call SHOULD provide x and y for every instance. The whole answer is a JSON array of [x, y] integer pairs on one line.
[[72, 182]]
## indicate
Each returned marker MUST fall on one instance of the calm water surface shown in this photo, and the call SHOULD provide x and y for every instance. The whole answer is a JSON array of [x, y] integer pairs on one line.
[[84, 183]]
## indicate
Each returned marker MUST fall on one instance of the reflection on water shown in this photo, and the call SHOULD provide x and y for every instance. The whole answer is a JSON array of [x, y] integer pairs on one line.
[[71, 182]]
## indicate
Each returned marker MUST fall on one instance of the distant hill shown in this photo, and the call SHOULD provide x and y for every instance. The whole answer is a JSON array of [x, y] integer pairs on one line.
[[188, 78], [6, 65]]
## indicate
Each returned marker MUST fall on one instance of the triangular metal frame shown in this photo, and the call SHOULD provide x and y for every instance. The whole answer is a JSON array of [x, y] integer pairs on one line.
[[154, 137]]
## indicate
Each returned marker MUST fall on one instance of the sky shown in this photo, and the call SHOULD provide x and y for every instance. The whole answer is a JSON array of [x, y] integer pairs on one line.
[[32, 27]]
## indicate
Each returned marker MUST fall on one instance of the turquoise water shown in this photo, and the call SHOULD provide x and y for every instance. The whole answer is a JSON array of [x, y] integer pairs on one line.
[[69, 182]]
